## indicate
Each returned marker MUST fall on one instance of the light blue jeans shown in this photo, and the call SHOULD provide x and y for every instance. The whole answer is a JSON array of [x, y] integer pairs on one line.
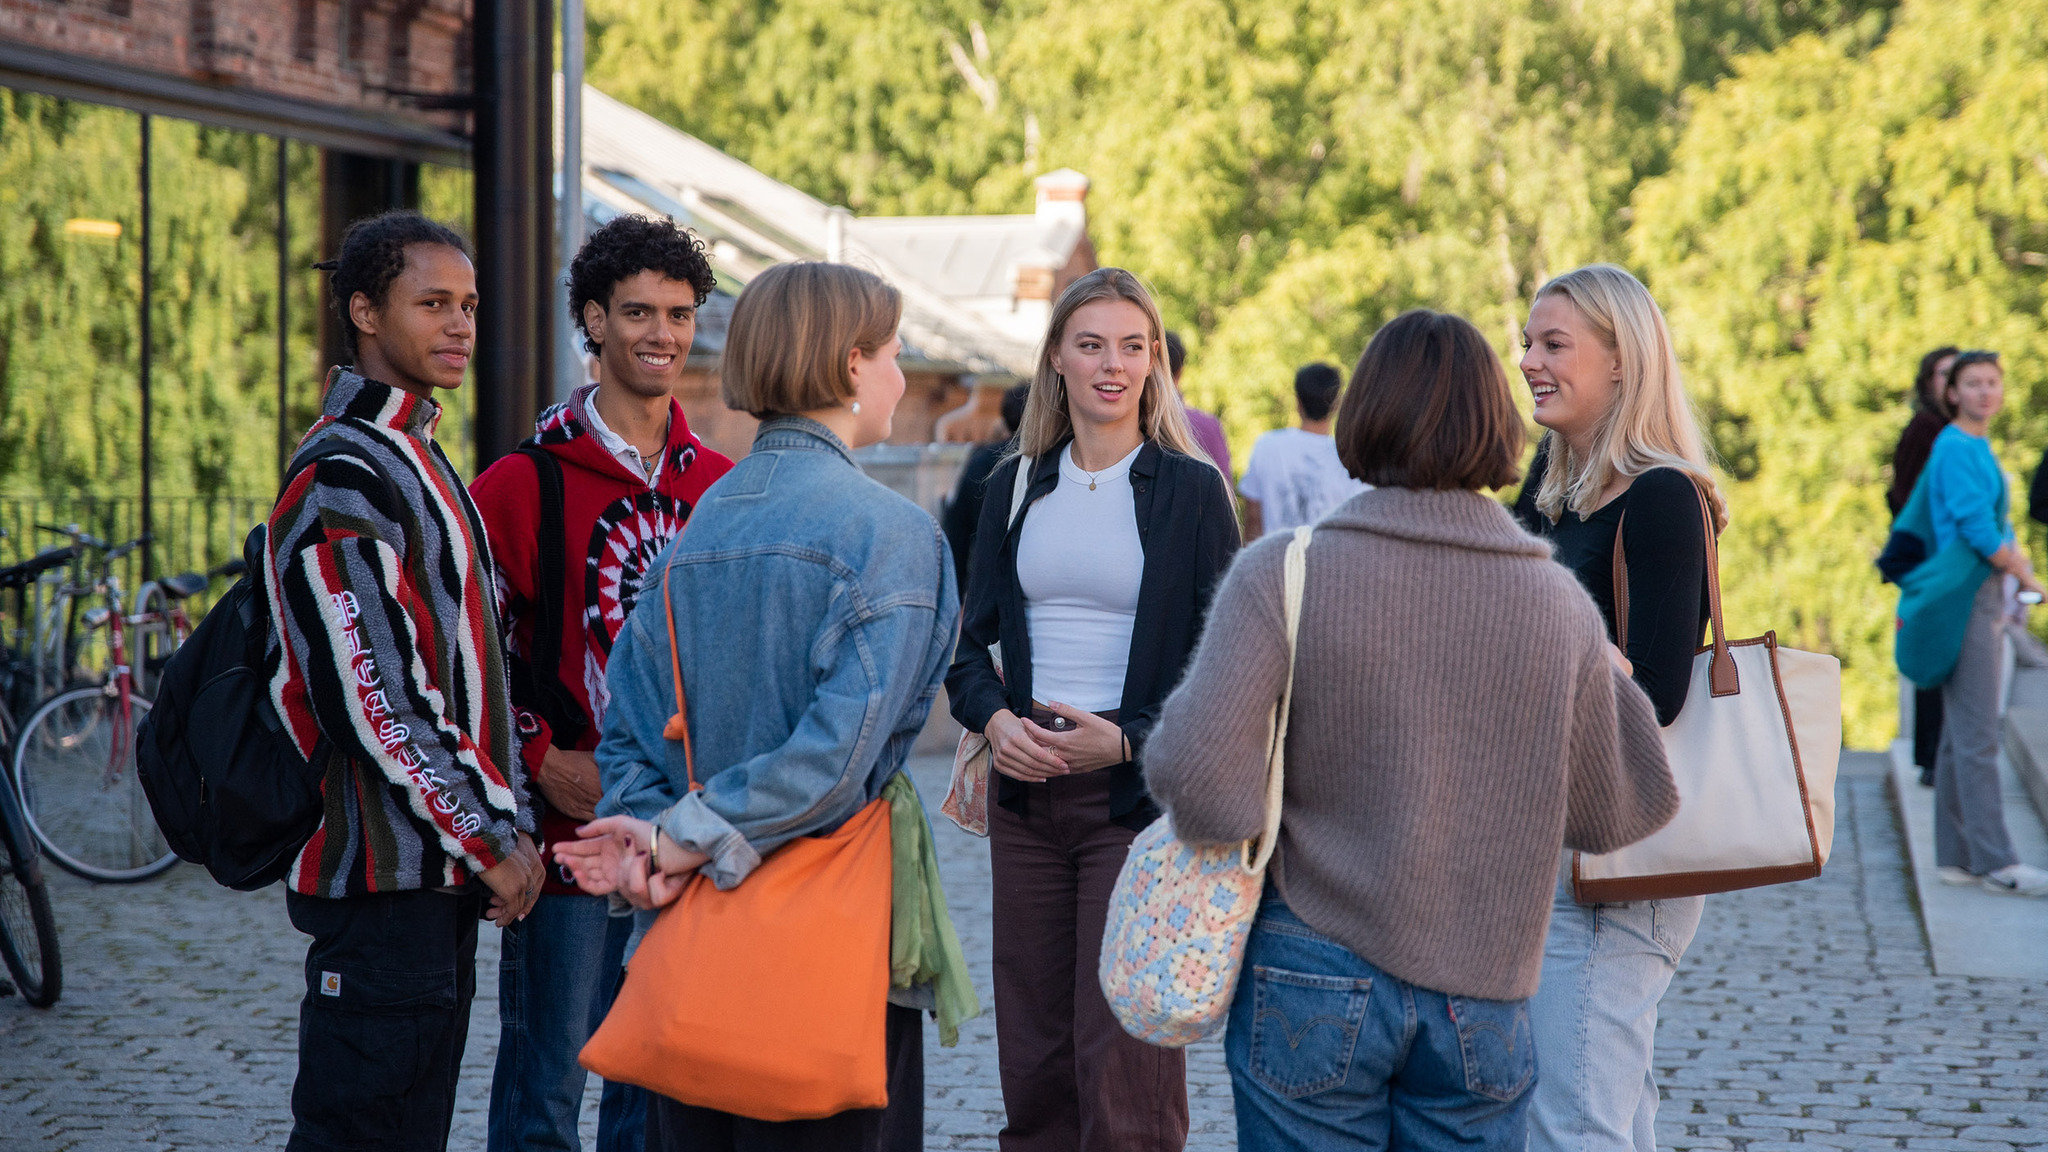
[[558, 971], [1328, 1053], [1605, 967]]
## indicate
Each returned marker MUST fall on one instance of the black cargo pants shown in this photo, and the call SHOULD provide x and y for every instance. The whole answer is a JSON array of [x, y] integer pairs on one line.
[[389, 980]]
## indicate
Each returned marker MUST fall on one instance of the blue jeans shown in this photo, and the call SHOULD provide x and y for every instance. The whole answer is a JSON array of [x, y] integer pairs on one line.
[[1605, 967], [557, 973], [1329, 1053]]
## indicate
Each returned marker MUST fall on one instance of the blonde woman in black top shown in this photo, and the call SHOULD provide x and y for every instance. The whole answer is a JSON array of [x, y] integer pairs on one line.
[[1622, 439]]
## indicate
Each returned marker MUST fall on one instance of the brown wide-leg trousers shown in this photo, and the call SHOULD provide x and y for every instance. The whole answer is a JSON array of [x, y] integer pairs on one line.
[[1073, 1079]]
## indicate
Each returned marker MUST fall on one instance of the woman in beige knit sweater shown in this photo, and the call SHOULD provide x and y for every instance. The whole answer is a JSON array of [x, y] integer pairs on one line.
[[1458, 715]]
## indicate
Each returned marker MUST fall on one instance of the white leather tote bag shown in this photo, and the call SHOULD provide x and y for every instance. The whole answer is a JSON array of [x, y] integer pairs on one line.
[[1753, 753]]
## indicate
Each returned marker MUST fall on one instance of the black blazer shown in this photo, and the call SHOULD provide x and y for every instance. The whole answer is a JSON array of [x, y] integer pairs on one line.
[[1187, 525]]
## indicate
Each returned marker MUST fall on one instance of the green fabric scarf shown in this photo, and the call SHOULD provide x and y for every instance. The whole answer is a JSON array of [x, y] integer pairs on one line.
[[923, 948]]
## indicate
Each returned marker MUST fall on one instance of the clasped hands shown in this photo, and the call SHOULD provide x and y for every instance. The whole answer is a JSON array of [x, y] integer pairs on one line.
[[1024, 750], [611, 855]]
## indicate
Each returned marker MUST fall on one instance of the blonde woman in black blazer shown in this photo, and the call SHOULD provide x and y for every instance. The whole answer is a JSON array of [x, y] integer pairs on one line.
[[1096, 594]]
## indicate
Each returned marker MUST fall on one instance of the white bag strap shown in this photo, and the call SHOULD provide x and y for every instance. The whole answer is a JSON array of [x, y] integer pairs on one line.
[[1296, 575], [1018, 488]]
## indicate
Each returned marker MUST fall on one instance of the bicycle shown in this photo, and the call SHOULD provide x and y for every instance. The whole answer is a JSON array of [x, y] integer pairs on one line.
[[74, 760], [160, 623], [28, 928], [67, 649]]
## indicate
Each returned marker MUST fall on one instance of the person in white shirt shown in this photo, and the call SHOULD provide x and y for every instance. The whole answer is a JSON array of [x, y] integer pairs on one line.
[[1294, 475]]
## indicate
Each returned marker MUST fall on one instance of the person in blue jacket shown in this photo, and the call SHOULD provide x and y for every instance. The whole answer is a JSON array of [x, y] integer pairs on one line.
[[1966, 501]]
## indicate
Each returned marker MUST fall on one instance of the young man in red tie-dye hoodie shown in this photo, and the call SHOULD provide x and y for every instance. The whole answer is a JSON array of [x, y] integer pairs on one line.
[[622, 471]]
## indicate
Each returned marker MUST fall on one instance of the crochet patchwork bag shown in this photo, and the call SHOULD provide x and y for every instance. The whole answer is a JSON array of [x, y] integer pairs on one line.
[[1181, 913]]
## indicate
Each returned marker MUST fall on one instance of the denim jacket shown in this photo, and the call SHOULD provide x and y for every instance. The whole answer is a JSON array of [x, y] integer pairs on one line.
[[814, 615]]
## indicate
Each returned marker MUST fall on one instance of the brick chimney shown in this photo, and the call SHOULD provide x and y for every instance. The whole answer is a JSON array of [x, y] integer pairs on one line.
[[1062, 213]]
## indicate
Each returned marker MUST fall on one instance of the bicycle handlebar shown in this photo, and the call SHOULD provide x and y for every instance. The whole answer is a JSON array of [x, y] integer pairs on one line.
[[109, 553], [78, 535]]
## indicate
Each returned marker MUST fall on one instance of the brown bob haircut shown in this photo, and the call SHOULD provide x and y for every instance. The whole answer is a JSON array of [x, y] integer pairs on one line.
[[1429, 407], [791, 330]]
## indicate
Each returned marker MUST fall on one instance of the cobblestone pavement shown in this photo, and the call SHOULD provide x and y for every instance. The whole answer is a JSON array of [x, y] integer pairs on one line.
[[1804, 1015], [1808, 1014]]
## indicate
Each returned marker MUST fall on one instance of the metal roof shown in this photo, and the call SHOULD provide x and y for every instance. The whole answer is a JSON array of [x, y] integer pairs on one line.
[[749, 221]]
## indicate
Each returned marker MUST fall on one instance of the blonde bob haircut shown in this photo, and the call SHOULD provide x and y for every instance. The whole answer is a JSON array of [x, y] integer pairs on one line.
[[1047, 422], [791, 331], [1651, 423]]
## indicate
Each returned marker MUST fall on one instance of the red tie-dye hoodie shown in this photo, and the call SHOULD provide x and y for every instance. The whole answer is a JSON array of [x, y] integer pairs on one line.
[[614, 521]]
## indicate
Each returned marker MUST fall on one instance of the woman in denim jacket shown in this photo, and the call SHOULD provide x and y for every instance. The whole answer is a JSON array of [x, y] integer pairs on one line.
[[814, 615]]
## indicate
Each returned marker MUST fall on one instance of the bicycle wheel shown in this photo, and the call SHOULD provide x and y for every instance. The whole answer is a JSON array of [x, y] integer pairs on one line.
[[74, 764], [28, 932]]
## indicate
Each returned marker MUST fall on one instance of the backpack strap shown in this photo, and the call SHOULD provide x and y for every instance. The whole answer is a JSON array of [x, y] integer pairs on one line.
[[327, 446], [257, 604], [542, 675]]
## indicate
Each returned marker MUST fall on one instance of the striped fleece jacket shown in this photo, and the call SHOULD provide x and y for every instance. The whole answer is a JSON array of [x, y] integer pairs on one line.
[[388, 646]]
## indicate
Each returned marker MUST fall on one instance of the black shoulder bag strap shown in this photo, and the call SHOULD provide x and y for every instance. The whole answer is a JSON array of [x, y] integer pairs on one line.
[[543, 674]]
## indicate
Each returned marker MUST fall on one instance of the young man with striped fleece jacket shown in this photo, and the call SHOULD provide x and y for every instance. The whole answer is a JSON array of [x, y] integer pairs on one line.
[[389, 675]]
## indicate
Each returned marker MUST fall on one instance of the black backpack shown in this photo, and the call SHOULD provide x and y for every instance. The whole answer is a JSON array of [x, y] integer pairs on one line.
[[537, 678], [225, 781]]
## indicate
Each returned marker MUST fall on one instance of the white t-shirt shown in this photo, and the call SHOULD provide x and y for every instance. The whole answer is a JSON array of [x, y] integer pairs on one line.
[[1079, 563], [1296, 477]]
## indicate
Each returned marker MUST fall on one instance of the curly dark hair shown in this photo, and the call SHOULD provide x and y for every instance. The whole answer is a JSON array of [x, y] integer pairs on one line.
[[373, 255], [626, 247]]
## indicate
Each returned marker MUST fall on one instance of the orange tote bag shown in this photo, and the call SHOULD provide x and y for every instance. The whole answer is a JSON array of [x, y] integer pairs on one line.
[[769, 1000]]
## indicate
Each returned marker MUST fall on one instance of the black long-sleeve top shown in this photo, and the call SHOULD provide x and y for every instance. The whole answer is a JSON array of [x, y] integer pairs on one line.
[[1916, 444], [1187, 527], [1664, 539]]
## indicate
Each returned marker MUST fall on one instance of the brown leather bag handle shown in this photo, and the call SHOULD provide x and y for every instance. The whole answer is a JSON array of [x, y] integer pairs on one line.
[[1722, 677]]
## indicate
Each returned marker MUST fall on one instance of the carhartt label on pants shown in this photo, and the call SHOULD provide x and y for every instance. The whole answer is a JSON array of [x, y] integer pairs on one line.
[[330, 983]]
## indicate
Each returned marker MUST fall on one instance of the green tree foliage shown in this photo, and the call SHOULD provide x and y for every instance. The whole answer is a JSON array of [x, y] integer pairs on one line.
[[1833, 211], [1818, 194]]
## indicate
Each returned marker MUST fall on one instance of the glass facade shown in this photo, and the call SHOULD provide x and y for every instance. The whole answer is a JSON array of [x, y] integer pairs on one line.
[[232, 364]]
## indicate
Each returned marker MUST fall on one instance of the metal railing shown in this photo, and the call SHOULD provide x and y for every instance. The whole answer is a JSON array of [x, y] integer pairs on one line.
[[191, 533]]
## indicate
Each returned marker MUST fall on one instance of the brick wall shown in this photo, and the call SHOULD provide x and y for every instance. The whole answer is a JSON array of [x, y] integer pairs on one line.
[[339, 52], [926, 397]]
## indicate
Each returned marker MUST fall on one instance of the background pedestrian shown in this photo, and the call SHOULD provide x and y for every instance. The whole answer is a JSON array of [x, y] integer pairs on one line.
[[963, 510], [1968, 499], [1930, 415], [1294, 475], [1207, 429]]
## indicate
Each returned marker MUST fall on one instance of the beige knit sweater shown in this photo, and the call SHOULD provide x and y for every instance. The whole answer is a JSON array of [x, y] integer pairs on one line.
[[1455, 721]]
